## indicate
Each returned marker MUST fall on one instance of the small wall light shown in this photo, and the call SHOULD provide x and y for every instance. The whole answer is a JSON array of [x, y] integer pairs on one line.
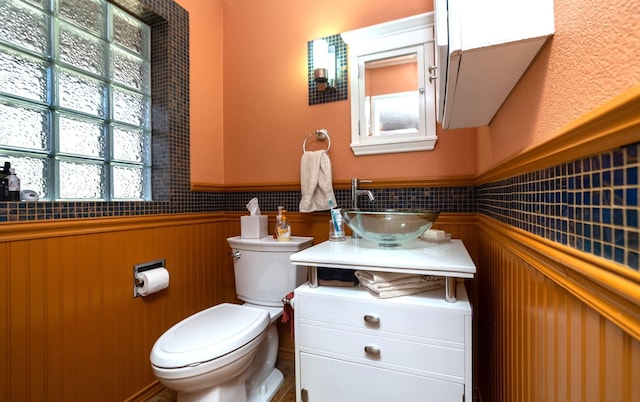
[[327, 71], [324, 63]]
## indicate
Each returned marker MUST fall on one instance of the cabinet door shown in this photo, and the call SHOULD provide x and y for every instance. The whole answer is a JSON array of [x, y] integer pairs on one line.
[[325, 379], [490, 44], [440, 16]]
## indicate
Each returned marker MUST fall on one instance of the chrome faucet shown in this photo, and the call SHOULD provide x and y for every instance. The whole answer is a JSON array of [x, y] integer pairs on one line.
[[355, 192]]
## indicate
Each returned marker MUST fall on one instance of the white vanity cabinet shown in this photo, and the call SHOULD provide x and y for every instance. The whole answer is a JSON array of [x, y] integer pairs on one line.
[[351, 346]]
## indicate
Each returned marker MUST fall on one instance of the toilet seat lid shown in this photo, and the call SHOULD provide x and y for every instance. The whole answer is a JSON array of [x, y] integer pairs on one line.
[[209, 334]]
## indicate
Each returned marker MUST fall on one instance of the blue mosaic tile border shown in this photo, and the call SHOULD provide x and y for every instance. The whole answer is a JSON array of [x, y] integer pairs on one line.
[[442, 199], [590, 204]]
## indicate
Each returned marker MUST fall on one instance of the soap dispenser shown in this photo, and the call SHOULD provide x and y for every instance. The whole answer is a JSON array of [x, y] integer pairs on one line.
[[278, 221], [283, 230]]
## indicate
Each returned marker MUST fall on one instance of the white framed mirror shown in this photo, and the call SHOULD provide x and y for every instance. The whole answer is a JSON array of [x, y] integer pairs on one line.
[[392, 98]]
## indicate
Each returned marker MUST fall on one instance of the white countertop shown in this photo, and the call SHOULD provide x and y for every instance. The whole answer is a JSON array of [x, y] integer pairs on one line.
[[416, 257]]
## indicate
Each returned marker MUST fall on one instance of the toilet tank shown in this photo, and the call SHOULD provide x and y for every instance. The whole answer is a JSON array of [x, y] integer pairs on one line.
[[264, 274]]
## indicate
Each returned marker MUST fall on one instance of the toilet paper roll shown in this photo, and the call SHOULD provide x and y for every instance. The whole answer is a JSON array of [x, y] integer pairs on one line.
[[153, 280]]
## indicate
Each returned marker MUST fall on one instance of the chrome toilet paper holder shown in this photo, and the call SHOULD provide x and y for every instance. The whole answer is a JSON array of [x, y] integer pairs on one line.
[[145, 266]]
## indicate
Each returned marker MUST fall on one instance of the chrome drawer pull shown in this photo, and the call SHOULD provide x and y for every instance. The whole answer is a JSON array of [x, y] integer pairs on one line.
[[372, 350], [372, 319]]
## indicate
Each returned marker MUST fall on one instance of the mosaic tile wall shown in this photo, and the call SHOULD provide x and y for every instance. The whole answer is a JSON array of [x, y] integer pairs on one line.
[[590, 204], [443, 199]]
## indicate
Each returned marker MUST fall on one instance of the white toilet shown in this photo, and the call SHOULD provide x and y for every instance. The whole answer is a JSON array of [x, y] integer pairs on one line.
[[227, 353]]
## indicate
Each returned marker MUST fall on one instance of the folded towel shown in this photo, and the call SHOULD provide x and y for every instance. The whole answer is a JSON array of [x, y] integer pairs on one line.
[[386, 284], [315, 182], [396, 292], [402, 290], [390, 278]]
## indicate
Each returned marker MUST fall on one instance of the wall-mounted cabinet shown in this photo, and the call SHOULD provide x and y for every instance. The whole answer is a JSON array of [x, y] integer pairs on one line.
[[392, 98], [482, 50]]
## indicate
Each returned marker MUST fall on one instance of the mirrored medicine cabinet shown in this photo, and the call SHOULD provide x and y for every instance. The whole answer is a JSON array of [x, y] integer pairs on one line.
[[392, 94]]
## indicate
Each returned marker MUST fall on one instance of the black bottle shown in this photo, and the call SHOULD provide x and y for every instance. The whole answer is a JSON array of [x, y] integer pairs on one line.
[[4, 184]]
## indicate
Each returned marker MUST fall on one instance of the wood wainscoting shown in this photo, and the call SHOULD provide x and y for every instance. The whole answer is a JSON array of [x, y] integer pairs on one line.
[[548, 332], [71, 330], [70, 327]]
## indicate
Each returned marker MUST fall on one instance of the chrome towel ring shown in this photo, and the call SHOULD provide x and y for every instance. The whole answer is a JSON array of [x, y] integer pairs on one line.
[[321, 135]]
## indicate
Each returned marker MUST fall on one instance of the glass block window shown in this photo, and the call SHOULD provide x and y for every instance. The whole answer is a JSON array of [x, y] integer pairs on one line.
[[75, 99]]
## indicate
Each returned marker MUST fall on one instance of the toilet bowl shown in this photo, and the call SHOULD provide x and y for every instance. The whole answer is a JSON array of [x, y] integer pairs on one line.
[[264, 379], [228, 352], [202, 356]]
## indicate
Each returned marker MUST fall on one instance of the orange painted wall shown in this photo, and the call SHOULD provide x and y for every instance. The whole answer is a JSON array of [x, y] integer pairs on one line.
[[262, 47], [205, 56], [593, 56], [266, 111], [264, 95]]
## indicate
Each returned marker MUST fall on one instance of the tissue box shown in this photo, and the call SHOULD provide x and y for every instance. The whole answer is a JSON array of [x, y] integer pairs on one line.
[[253, 226]]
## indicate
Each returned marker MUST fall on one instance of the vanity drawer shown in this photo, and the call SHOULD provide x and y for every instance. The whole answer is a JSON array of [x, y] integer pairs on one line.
[[328, 379], [383, 351], [426, 315]]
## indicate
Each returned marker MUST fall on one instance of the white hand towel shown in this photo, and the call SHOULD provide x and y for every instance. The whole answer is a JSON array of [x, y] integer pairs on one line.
[[315, 182]]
